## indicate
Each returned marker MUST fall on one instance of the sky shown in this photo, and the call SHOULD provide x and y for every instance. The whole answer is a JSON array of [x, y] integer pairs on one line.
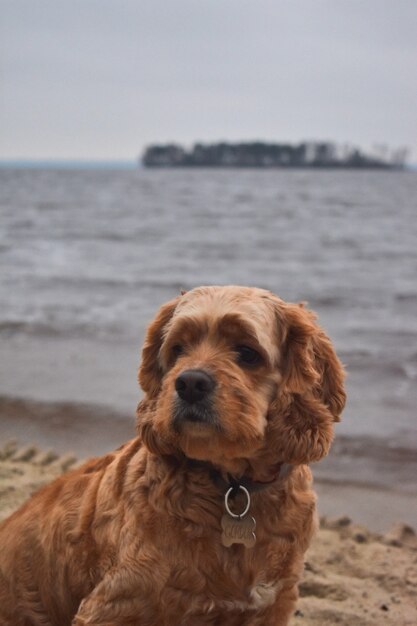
[[100, 79]]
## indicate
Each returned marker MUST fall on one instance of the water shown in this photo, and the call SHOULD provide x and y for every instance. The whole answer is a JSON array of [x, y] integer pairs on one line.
[[87, 256]]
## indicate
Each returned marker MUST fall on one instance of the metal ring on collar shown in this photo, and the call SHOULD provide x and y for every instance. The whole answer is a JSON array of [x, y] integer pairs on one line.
[[226, 502]]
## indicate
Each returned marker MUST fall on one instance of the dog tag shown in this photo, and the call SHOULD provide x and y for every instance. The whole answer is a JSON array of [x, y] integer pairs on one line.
[[238, 530], [238, 527]]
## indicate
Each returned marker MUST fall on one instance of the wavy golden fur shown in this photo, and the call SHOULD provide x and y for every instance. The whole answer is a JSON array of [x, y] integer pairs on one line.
[[134, 538]]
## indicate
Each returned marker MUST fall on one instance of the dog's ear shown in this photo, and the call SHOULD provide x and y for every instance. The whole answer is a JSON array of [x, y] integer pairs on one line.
[[311, 395], [310, 362], [150, 372]]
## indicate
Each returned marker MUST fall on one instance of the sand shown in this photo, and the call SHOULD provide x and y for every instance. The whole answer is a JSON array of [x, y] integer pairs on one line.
[[353, 577]]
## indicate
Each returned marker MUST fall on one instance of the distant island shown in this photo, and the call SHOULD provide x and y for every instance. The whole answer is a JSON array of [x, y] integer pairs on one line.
[[269, 155]]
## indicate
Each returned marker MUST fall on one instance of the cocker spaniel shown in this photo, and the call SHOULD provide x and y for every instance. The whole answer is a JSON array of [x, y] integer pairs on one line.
[[204, 518]]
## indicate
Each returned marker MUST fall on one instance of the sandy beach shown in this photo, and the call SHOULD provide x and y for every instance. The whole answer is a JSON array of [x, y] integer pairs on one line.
[[352, 575]]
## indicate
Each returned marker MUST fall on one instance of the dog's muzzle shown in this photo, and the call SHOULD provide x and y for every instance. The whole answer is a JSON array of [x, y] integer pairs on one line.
[[194, 389]]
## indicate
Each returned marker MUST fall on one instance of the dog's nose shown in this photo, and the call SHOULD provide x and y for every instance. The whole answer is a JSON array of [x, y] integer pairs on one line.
[[194, 385]]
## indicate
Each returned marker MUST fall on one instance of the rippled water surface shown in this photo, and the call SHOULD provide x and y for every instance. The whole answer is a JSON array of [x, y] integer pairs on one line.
[[88, 256]]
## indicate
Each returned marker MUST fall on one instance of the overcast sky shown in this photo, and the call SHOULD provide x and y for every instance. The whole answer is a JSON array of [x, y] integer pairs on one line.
[[101, 78]]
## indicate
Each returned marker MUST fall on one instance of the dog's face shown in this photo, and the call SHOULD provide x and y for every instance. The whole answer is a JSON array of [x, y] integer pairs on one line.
[[234, 375]]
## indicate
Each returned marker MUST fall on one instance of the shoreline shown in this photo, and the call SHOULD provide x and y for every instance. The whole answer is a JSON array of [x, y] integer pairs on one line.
[[86, 430]]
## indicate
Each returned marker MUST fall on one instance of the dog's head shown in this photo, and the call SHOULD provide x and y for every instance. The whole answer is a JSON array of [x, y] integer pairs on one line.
[[238, 377]]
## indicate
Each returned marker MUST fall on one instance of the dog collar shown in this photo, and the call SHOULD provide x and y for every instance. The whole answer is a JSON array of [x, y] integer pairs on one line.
[[252, 486]]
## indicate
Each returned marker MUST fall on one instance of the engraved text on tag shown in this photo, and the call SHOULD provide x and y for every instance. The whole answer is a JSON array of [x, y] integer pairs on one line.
[[238, 530]]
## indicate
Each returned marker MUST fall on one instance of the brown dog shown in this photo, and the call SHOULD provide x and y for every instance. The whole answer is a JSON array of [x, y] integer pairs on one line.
[[204, 518]]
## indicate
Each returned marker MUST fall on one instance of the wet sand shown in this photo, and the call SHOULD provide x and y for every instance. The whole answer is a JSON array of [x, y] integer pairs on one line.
[[352, 575], [84, 429]]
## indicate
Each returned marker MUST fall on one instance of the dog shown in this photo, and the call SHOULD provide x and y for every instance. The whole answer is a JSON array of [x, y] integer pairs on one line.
[[205, 516]]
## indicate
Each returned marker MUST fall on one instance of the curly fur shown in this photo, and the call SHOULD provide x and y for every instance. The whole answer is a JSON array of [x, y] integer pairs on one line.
[[134, 538]]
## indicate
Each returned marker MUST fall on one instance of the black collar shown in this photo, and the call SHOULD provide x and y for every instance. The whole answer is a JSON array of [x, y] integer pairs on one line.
[[252, 486]]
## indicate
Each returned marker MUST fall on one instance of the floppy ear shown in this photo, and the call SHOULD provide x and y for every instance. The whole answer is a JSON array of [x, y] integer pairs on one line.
[[150, 372], [311, 395], [311, 362]]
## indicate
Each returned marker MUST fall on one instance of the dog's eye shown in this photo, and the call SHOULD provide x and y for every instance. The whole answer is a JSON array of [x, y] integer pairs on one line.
[[248, 356], [177, 350]]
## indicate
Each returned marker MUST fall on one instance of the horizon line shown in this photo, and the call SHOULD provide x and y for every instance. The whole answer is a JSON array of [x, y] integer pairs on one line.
[[91, 163], [68, 162]]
